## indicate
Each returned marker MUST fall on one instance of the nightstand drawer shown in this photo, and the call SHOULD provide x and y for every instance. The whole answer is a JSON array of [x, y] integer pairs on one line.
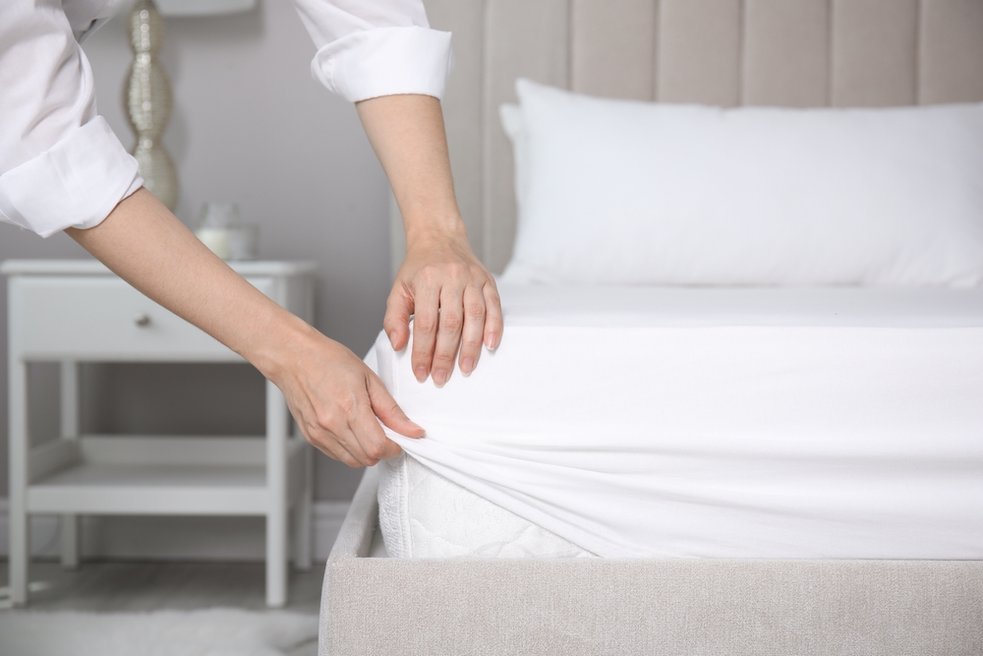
[[103, 318]]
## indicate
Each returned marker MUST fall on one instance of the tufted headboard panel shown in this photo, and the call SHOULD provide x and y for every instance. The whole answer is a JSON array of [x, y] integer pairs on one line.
[[723, 52]]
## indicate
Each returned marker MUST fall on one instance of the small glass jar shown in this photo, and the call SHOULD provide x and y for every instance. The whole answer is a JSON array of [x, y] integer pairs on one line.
[[241, 241], [221, 231]]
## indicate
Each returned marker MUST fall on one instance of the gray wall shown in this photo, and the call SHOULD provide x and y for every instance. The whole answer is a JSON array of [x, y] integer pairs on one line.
[[252, 126]]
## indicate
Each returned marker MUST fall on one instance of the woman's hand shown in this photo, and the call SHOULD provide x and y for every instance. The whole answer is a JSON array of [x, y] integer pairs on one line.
[[442, 284], [336, 400], [453, 300]]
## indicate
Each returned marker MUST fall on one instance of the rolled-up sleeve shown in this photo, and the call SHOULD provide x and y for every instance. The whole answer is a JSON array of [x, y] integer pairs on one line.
[[61, 165], [376, 48]]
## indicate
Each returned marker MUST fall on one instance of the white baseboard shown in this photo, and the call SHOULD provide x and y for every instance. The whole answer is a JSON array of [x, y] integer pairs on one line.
[[172, 537]]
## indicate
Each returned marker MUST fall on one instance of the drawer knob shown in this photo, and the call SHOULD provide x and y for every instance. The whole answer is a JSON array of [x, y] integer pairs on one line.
[[142, 320]]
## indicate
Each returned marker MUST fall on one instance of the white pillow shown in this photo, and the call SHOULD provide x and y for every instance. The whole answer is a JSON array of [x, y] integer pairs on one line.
[[616, 191]]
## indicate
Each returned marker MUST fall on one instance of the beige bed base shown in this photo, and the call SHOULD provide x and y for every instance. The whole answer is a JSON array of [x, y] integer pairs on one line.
[[375, 605]]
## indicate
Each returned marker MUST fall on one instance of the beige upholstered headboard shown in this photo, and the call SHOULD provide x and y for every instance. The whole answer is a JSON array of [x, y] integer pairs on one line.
[[723, 52]]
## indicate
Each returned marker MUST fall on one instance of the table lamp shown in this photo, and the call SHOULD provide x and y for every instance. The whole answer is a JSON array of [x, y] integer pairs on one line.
[[147, 91]]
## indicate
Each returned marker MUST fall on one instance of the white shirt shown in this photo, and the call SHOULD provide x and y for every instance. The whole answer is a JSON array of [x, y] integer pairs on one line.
[[60, 163]]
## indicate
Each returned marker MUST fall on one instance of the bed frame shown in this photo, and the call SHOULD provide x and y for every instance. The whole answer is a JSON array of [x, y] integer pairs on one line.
[[376, 605], [724, 52]]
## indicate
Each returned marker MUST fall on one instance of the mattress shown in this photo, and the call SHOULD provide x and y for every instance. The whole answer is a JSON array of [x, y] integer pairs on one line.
[[717, 423]]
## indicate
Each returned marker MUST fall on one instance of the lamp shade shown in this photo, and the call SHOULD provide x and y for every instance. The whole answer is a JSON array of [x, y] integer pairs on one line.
[[202, 7]]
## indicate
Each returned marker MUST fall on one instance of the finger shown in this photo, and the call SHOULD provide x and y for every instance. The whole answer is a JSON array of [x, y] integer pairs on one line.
[[474, 327], [494, 326], [448, 333], [368, 431], [332, 427], [388, 411], [371, 437], [347, 439], [425, 318], [326, 443], [396, 323]]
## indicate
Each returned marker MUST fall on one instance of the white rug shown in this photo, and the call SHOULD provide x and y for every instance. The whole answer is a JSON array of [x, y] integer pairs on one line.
[[208, 632]]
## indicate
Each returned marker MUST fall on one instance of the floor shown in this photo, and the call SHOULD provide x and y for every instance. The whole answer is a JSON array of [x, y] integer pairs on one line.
[[141, 585]]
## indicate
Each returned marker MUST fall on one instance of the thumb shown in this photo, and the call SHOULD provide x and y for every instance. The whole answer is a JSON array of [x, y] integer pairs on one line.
[[388, 411], [396, 323]]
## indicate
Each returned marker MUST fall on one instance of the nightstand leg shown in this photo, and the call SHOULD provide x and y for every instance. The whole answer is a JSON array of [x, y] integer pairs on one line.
[[20, 536], [69, 527], [302, 515], [69, 524], [276, 482]]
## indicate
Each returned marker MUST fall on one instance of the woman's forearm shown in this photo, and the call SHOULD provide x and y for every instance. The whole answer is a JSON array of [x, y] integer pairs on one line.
[[441, 283], [407, 133], [150, 248]]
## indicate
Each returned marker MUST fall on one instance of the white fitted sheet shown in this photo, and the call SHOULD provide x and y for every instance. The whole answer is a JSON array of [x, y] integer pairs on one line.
[[779, 423]]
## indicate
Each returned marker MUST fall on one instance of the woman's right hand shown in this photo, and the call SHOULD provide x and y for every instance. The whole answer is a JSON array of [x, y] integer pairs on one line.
[[338, 401]]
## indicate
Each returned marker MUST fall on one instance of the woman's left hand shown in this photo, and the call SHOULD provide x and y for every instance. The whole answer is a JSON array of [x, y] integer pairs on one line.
[[454, 303]]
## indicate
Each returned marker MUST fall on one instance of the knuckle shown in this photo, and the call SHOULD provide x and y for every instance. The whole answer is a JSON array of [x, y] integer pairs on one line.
[[422, 359], [471, 345], [422, 350], [491, 292], [347, 405], [442, 358], [430, 274], [475, 310], [375, 451], [425, 324], [451, 321], [331, 418], [325, 420]]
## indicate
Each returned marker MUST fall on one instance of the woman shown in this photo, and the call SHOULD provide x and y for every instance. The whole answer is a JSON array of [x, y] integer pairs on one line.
[[62, 168]]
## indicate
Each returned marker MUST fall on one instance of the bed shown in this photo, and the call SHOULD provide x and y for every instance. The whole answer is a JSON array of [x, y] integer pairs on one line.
[[818, 447]]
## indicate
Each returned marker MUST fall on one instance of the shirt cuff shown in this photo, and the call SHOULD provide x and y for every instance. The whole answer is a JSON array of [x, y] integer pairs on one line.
[[385, 61], [74, 184]]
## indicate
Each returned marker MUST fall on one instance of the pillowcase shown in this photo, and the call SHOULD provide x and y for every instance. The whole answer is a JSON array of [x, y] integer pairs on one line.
[[627, 192]]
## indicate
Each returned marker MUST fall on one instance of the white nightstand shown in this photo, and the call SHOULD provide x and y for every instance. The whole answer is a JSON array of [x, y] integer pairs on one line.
[[72, 311]]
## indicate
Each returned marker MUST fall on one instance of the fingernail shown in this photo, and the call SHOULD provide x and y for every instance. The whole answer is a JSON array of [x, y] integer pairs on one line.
[[419, 428], [467, 366], [420, 373], [439, 378], [490, 341]]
